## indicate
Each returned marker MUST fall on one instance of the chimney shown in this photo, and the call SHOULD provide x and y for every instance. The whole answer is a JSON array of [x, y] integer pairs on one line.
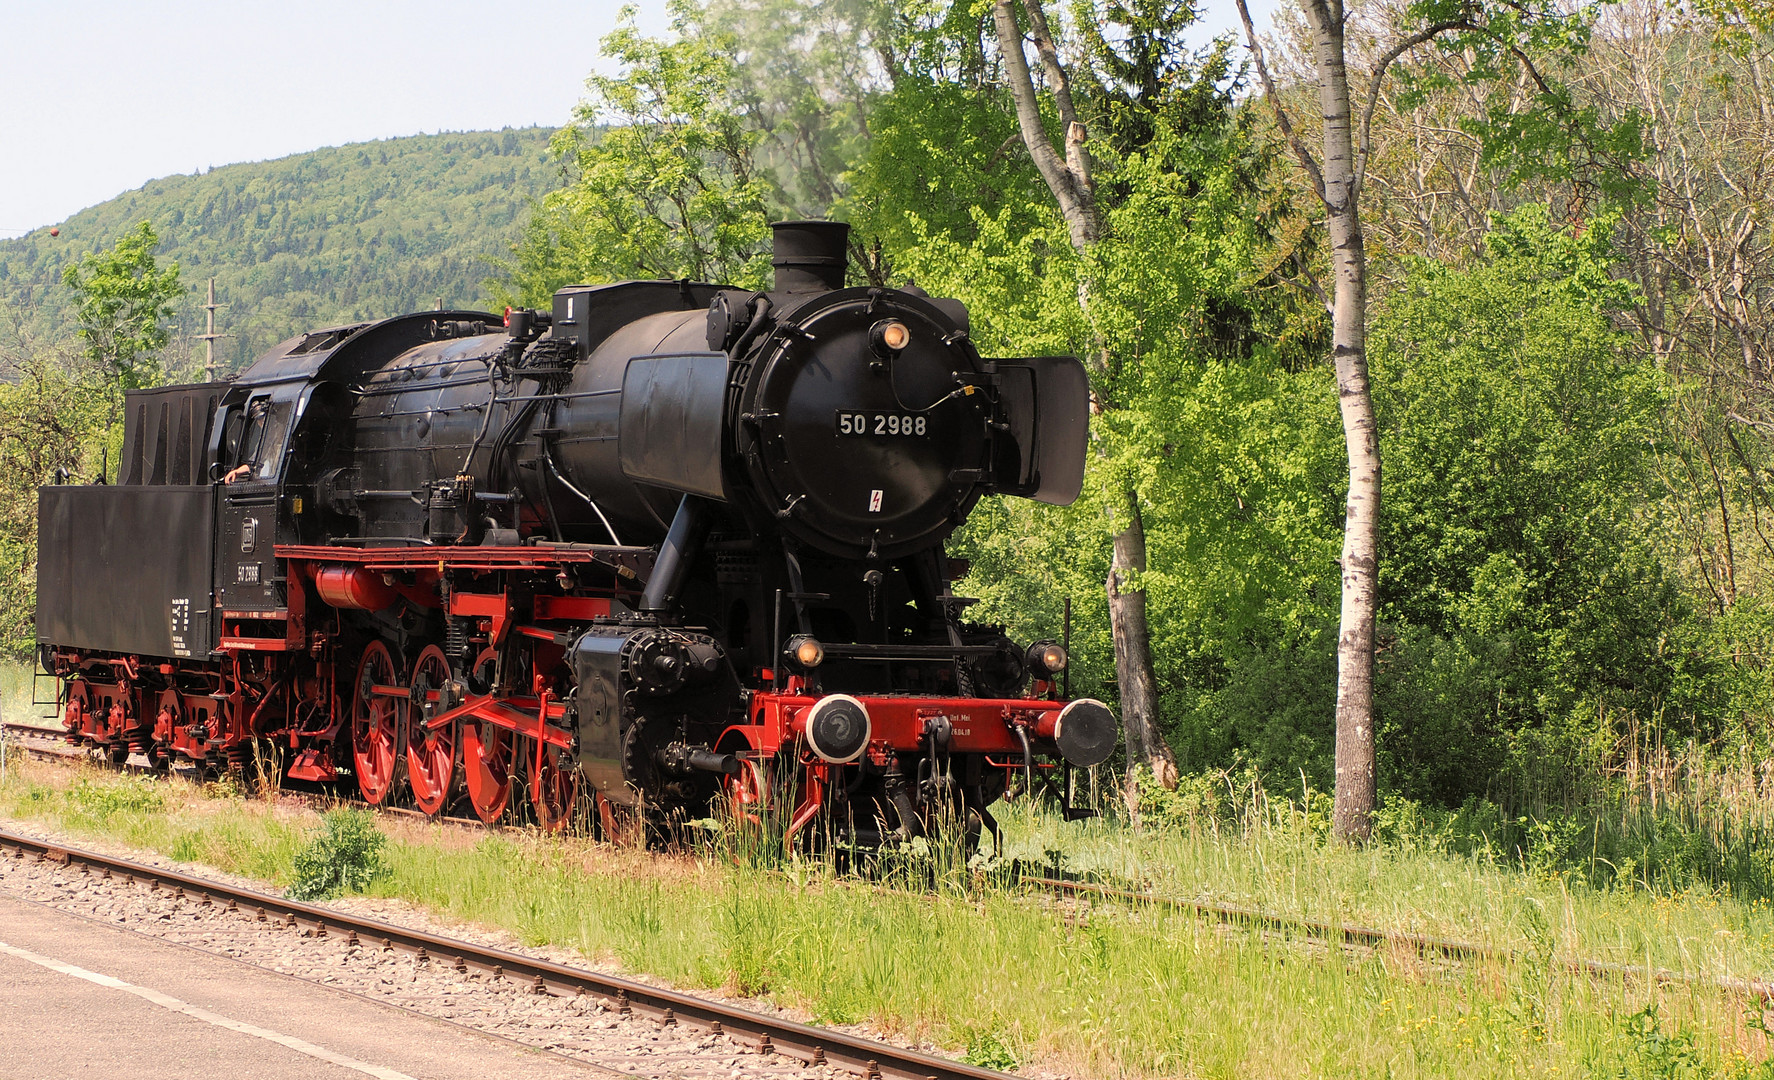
[[809, 256]]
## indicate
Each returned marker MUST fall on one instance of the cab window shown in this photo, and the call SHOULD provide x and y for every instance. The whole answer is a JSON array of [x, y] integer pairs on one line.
[[254, 438]]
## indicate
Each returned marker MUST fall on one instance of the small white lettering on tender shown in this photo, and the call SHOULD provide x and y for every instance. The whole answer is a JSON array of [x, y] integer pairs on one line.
[[180, 621]]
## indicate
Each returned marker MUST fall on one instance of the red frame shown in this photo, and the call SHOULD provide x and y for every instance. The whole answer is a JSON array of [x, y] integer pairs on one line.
[[293, 687]]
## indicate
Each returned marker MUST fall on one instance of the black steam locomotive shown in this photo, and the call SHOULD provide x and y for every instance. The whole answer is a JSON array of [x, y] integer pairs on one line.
[[668, 542]]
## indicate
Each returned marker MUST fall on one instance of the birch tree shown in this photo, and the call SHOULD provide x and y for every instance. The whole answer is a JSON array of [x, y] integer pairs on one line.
[[1507, 38]]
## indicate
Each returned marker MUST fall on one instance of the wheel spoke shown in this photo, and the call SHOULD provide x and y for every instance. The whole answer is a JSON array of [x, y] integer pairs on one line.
[[486, 757], [376, 726], [431, 753]]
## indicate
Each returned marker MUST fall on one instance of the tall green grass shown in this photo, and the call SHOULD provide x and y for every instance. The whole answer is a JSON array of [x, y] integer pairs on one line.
[[1109, 990]]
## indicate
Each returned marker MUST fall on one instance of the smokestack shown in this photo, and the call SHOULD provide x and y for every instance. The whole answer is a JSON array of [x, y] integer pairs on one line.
[[809, 256]]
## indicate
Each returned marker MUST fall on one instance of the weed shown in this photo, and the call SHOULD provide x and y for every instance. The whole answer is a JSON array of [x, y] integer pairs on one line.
[[345, 857], [749, 925], [103, 798], [987, 1049], [225, 786], [187, 847], [1655, 1054], [1532, 985]]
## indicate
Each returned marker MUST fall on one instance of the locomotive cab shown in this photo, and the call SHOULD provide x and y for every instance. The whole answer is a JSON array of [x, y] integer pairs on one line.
[[250, 443]]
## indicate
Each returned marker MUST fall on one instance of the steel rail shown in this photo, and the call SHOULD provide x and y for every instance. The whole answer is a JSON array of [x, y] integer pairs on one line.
[[35, 729], [870, 1058], [1370, 937]]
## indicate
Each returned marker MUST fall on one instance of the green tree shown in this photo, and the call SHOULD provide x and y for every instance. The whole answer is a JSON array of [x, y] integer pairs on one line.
[[46, 420], [663, 178], [1174, 295], [123, 299]]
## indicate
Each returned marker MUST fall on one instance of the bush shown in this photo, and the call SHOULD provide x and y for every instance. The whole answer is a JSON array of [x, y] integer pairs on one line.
[[345, 857]]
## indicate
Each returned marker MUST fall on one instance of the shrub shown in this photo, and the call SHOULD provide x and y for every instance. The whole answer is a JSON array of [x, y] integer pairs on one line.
[[345, 857]]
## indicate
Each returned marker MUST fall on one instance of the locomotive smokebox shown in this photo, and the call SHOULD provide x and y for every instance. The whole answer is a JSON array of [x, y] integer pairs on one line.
[[809, 256]]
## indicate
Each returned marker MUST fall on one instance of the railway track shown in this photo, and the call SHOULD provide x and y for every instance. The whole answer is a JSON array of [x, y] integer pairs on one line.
[[814, 1046], [1369, 937], [37, 730], [1249, 918]]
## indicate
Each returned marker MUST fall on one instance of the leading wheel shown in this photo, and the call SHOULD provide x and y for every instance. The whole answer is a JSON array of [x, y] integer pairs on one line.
[[621, 825], [748, 793], [378, 720], [431, 752], [557, 785]]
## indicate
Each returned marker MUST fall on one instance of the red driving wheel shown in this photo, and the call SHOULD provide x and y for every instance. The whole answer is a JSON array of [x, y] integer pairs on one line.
[[378, 717], [486, 755], [431, 752]]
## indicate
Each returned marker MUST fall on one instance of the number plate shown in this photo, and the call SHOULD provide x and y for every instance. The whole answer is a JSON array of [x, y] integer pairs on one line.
[[886, 425]]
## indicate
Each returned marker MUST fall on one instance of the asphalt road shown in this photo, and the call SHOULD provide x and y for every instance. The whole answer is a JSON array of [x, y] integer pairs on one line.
[[82, 1000]]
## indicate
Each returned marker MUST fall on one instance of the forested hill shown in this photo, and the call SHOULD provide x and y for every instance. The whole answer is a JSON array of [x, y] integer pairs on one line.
[[330, 236]]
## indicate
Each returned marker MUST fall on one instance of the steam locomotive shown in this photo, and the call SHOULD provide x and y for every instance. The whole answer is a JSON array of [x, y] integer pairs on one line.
[[667, 548]]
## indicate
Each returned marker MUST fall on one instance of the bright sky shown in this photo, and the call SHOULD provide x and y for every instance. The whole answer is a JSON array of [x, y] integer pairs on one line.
[[97, 97]]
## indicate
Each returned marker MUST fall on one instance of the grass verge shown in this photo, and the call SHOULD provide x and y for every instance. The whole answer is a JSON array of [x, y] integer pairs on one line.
[[1111, 991]]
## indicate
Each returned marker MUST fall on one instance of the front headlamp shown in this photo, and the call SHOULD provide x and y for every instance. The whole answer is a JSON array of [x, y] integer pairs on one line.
[[1047, 658], [805, 652]]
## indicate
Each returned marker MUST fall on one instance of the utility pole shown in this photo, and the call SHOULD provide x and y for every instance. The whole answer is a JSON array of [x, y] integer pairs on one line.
[[209, 336]]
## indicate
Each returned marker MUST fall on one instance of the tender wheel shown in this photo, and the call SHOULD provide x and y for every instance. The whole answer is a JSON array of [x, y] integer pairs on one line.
[[378, 722], [486, 754], [431, 753], [557, 786], [74, 717]]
